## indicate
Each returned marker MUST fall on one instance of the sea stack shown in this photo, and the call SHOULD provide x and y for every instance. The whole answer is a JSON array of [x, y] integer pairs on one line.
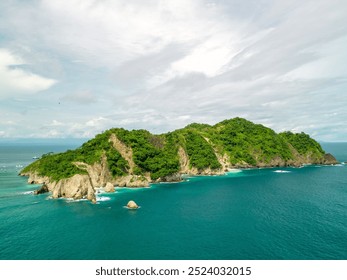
[[132, 205], [109, 187]]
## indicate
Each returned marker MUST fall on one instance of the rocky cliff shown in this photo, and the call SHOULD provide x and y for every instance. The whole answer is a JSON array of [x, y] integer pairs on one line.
[[137, 158]]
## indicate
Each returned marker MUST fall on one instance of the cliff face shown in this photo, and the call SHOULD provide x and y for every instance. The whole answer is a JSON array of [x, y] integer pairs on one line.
[[76, 187], [137, 158]]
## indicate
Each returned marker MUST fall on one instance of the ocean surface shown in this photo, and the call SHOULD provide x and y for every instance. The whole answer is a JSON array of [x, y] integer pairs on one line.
[[274, 213]]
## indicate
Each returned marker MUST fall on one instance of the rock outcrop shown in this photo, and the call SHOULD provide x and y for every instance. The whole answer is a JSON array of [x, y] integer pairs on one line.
[[99, 173], [76, 187], [125, 151], [35, 178], [186, 168], [109, 187], [184, 161], [329, 159], [224, 160], [42, 189], [176, 177], [132, 205], [133, 181]]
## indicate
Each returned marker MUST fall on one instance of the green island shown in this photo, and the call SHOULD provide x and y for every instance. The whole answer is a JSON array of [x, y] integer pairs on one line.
[[136, 158]]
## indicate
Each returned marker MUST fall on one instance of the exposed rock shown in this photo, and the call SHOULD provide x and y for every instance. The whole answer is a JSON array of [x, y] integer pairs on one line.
[[132, 205], [274, 162], [98, 172], [125, 151], [109, 187], [91, 194], [133, 181], [329, 159], [76, 187], [34, 178], [42, 189], [184, 161], [176, 177], [186, 169], [209, 171], [224, 160]]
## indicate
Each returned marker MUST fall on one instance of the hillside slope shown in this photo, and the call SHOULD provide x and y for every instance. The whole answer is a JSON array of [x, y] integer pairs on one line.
[[118, 157]]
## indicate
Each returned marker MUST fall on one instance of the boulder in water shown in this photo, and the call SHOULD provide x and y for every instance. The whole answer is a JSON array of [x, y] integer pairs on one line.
[[132, 205]]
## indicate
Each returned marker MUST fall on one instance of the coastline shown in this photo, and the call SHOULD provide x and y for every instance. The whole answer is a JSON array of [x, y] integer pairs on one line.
[[93, 192], [137, 158]]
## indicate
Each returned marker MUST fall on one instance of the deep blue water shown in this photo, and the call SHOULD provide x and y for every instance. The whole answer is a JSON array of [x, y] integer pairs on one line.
[[254, 214]]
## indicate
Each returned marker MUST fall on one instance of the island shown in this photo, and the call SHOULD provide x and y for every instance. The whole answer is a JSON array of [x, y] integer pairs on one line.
[[136, 158]]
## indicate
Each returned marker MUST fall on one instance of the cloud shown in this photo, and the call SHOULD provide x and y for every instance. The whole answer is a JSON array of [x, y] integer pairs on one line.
[[111, 31], [142, 69], [208, 57], [15, 81], [162, 64], [81, 97]]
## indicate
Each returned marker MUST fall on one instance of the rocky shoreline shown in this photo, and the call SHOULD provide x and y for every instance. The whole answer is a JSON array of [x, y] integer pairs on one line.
[[85, 186], [135, 163]]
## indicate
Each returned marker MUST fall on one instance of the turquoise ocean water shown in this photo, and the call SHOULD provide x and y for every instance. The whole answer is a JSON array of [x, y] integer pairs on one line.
[[298, 213]]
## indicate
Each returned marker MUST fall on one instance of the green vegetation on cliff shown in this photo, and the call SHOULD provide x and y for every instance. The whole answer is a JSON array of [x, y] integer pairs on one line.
[[249, 143], [302, 142], [241, 141], [156, 154], [92, 151], [59, 166], [200, 152], [55, 166]]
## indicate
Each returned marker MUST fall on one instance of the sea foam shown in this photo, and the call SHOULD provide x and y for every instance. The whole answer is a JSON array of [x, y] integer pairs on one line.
[[234, 170], [103, 198], [28, 192]]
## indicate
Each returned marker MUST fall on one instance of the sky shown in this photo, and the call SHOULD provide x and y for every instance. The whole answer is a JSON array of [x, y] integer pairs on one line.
[[72, 69]]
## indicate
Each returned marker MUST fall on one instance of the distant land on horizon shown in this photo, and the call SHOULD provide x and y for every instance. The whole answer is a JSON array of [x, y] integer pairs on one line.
[[44, 141]]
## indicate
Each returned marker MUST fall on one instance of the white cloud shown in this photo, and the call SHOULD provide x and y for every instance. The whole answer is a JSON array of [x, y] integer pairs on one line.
[[108, 33], [207, 58], [168, 63], [56, 123], [96, 122], [328, 62], [80, 97], [15, 81]]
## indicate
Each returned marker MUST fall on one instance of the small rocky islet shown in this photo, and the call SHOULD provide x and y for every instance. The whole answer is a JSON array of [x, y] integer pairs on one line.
[[123, 158], [132, 205]]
